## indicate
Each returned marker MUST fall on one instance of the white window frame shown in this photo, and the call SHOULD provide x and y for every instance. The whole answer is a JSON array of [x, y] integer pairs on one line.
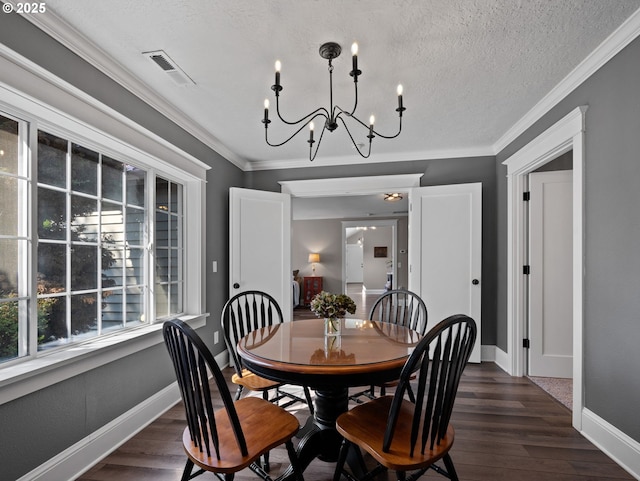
[[46, 102]]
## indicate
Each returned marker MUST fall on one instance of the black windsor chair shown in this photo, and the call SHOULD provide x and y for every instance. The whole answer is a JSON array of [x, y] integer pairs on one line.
[[402, 307], [243, 313], [414, 436], [226, 440]]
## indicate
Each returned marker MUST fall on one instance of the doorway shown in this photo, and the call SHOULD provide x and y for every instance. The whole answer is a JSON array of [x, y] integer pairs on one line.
[[565, 135], [372, 244]]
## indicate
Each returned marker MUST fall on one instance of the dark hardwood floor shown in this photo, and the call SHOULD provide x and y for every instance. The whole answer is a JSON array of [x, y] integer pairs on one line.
[[506, 429]]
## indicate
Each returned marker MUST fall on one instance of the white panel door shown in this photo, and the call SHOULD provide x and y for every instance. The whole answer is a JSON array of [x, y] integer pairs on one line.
[[355, 262], [550, 281], [445, 251], [260, 244]]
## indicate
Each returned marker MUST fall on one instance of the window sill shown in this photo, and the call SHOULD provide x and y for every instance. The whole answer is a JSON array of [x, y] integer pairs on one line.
[[30, 376]]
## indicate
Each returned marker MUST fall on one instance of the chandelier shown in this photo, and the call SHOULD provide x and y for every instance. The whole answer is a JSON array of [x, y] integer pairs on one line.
[[335, 113]]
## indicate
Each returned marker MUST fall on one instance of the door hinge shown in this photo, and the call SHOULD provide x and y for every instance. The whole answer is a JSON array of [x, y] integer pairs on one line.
[[526, 196], [526, 344], [526, 270]]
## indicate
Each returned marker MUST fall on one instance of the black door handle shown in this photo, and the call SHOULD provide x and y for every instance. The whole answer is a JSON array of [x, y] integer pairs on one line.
[[236, 285], [475, 282]]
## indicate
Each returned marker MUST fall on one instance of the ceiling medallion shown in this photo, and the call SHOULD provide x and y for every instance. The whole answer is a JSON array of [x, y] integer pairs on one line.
[[331, 116]]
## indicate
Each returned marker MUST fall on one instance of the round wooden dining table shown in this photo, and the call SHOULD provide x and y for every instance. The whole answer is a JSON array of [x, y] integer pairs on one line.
[[364, 353]]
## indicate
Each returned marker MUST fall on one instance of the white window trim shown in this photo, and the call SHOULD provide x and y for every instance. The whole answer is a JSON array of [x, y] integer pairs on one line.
[[28, 91]]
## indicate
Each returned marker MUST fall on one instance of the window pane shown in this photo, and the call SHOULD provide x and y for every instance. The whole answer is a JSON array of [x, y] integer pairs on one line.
[[174, 198], [52, 268], [8, 268], [175, 299], [112, 179], [84, 170], [52, 321], [174, 231], [135, 267], [162, 300], [162, 194], [112, 310], [135, 186], [8, 145], [162, 229], [112, 258], [9, 204], [174, 272], [135, 226], [84, 267], [9, 330], [162, 265], [51, 214], [135, 306], [111, 223], [84, 219], [84, 316], [52, 160]]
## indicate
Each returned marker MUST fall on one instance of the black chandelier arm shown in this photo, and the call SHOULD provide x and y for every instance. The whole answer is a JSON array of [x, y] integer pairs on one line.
[[281, 143], [375, 131], [311, 157], [355, 145], [319, 111]]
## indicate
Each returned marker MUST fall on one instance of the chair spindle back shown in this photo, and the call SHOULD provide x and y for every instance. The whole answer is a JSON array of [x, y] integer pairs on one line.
[[440, 357], [243, 313], [191, 358], [402, 307]]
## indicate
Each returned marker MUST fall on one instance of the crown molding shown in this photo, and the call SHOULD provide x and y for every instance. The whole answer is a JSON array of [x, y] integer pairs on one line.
[[611, 46], [71, 38], [479, 151]]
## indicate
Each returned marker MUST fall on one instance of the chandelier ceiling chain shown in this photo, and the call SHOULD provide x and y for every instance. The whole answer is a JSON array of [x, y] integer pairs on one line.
[[331, 116]]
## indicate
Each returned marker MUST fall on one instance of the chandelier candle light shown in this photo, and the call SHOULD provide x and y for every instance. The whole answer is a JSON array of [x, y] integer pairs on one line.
[[329, 51]]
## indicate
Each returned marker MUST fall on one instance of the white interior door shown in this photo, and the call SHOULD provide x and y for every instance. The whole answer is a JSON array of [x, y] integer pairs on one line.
[[260, 244], [445, 249], [355, 263], [550, 281]]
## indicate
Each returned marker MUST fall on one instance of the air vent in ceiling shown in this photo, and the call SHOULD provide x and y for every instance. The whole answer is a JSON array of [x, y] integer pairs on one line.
[[162, 60]]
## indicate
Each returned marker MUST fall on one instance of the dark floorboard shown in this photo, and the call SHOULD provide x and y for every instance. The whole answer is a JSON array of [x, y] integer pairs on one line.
[[506, 429]]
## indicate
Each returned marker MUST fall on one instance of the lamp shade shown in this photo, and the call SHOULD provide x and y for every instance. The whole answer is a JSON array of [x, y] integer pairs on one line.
[[314, 257]]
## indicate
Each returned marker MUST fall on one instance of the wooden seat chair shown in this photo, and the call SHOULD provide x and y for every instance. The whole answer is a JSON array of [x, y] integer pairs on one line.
[[412, 437], [402, 307], [243, 313], [226, 440]]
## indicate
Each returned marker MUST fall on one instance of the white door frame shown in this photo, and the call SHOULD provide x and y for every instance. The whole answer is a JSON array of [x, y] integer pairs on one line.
[[566, 134]]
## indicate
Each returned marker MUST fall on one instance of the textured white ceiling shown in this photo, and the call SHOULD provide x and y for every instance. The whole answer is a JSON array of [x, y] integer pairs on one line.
[[470, 69]]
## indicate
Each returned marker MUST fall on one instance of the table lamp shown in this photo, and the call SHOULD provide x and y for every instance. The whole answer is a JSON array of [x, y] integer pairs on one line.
[[313, 258]]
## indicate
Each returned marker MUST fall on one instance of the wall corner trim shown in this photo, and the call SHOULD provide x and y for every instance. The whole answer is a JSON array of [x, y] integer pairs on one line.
[[614, 443]]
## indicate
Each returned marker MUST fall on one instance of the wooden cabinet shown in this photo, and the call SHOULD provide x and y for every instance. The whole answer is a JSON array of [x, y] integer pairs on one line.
[[311, 287]]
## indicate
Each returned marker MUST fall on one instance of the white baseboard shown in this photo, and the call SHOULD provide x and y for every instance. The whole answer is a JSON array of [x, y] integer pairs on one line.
[[79, 458], [490, 353], [613, 442]]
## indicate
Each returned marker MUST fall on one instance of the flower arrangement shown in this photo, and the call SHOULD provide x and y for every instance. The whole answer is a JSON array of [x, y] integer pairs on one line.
[[332, 306]]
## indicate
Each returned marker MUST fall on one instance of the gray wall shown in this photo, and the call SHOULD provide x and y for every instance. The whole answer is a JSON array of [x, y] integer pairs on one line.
[[322, 236], [45, 423], [436, 172], [612, 236]]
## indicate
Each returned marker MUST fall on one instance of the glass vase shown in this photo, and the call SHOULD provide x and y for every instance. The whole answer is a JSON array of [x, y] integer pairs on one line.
[[331, 326]]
